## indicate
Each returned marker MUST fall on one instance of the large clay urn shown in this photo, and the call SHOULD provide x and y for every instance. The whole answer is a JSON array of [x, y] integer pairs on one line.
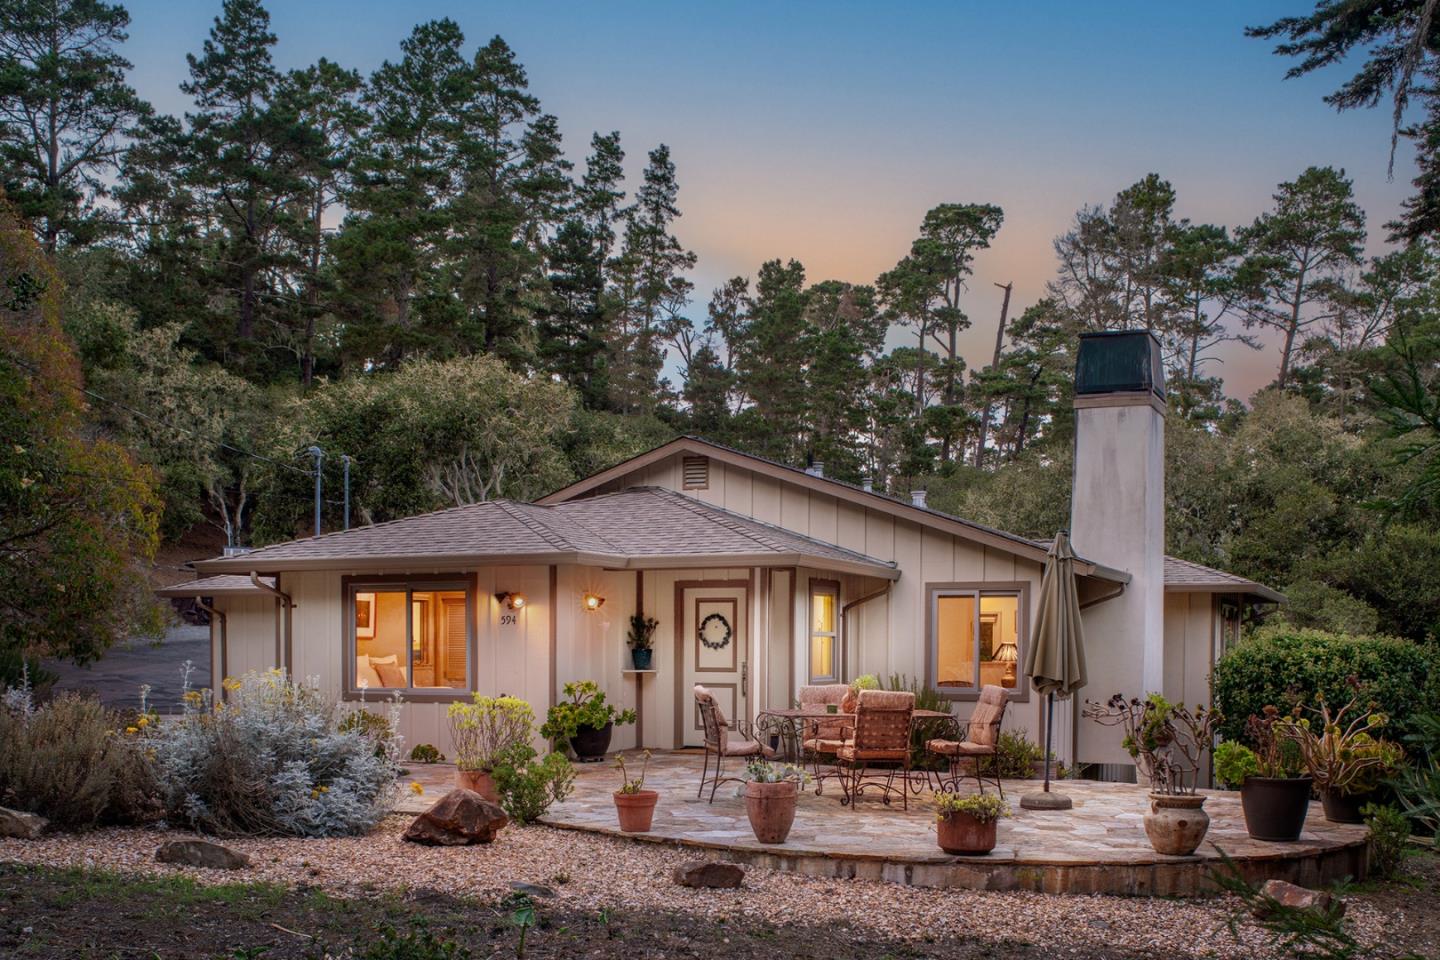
[[636, 810], [480, 781], [771, 809], [1176, 824], [960, 833]]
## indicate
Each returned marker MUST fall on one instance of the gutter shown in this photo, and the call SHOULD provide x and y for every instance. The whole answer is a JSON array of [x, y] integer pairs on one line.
[[845, 613]]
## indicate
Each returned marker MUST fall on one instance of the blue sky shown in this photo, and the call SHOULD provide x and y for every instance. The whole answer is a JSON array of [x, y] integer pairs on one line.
[[824, 131]]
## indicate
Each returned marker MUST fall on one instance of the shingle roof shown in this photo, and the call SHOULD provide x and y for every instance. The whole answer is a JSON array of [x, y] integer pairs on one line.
[[222, 585], [1183, 575], [619, 529]]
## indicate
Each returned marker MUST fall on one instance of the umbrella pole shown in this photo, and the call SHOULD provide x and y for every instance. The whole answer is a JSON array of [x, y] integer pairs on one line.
[[1045, 800], [1049, 726]]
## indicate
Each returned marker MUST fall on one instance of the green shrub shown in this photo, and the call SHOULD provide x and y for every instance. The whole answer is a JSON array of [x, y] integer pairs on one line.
[[74, 762], [528, 785], [1389, 833], [1417, 786], [1016, 754], [1280, 665], [371, 725], [427, 753], [1234, 762], [585, 709]]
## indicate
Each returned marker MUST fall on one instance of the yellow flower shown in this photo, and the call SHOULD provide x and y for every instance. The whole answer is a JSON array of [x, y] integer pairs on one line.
[[132, 729], [314, 794], [416, 788], [230, 683], [324, 789], [143, 721]]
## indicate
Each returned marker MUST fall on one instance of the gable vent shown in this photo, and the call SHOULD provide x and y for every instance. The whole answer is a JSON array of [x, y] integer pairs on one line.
[[696, 473]]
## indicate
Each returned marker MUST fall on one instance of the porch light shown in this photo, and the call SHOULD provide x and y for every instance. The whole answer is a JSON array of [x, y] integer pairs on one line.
[[592, 602], [515, 601]]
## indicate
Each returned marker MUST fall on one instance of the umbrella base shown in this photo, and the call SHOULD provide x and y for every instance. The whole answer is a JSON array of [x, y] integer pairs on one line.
[[1046, 801]]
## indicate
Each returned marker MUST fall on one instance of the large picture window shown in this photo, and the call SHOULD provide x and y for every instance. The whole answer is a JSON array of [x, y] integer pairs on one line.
[[975, 639], [408, 636], [824, 631]]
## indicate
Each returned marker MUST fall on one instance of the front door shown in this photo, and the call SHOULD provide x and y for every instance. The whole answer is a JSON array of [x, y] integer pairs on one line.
[[715, 650]]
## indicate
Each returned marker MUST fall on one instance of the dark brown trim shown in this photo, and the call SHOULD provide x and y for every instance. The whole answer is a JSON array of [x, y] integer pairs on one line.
[[678, 641], [1021, 691], [289, 639], [217, 647], [639, 677], [471, 586], [554, 632], [279, 641]]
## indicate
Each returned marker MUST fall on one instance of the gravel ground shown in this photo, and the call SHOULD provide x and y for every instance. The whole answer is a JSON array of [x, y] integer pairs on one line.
[[592, 873]]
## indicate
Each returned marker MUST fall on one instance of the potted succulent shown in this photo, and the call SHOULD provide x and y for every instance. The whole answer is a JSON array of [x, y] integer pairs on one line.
[[1342, 755], [1167, 741], [483, 730], [634, 805], [966, 823], [771, 791], [584, 721], [1274, 787], [641, 640]]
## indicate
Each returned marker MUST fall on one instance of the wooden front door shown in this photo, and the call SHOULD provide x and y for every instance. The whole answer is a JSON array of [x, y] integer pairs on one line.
[[715, 650]]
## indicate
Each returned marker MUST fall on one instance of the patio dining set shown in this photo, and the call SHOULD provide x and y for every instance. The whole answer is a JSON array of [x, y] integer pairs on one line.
[[866, 741]]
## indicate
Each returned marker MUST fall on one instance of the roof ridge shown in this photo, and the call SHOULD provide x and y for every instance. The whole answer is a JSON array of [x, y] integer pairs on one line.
[[577, 521], [726, 518], [333, 534], [539, 529]]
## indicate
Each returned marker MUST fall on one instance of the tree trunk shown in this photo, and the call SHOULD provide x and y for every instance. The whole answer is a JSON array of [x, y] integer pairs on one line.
[[994, 365]]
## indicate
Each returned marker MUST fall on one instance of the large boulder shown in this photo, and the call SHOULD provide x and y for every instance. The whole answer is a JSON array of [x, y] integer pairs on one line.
[[459, 818], [201, 853], [1295, 897], [18, 823], [709, 874]]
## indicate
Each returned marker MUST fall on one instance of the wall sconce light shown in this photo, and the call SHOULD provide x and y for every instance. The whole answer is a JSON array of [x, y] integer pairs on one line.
[[591, 602], [515, 601]]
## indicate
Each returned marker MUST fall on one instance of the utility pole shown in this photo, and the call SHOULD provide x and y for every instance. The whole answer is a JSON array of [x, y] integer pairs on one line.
[[319, 456], [994, 365], [345, 462]]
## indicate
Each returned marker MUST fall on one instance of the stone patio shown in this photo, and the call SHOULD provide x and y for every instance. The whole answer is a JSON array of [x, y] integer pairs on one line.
[[1099, 846]]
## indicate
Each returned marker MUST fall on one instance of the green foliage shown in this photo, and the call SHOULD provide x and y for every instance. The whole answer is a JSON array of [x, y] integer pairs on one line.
[[415, 943], [486, 728], [629, 784], [426, 753], [585, 709], [1016, 754], [373, 726], [1389, 839], [528, 785], [983, 807], [1417, 787], [1282, 665], [1293, 931], [1234, 762], [642, 631], [769, 771]]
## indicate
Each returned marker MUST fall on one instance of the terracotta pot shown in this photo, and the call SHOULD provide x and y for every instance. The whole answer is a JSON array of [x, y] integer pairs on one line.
[[962, 834], [1345, 807], [590, 743], [636, 810], [479, 781], [1176, 824], [771, 809], [1275, 807]]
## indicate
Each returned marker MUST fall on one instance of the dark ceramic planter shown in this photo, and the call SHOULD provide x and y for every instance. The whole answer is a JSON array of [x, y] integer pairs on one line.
[[1343, 807], [590, 744], [642, 658], [1275, 807]]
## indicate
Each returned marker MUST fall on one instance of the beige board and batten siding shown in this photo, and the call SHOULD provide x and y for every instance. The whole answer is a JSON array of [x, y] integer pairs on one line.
[[250, 635], [886, 636]]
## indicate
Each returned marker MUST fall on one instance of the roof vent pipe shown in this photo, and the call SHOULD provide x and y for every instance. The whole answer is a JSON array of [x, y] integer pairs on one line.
[[816, 468], [867, 485], [917, 498]]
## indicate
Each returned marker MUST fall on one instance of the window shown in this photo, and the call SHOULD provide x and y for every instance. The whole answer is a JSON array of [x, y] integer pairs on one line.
[[426, 649], [975, 638], [824, 620]]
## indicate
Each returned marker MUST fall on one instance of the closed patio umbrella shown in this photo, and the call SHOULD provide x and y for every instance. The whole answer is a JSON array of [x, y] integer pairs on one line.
[[1055, 662]]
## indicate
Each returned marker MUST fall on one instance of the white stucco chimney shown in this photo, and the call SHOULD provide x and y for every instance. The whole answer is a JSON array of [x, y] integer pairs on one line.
[[1117, 518]]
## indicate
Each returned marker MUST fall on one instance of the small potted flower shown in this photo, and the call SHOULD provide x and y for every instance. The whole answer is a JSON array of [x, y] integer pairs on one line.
[[634, 805], [483, 730], [1270, 773], [1167, 741], [1342, 754], [965, 824], [771, 791], [641, 640], [584, 721]]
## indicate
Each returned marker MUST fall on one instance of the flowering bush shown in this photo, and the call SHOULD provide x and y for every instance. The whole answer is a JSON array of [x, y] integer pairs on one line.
[[486, 727], [272, 759]]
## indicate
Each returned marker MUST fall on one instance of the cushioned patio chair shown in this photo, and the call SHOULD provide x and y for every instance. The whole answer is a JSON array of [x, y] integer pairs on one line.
[[882, 735], [982, 735], [821, 738], [723, 738]]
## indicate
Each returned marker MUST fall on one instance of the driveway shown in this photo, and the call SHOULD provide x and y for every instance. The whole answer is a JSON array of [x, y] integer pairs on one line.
[[118, 675]]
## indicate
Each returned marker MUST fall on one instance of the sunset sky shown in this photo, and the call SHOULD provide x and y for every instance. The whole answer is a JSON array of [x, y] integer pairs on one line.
[[824, 131]]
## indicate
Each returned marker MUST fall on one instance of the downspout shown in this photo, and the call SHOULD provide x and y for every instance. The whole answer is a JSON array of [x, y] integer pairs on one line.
[[282, 647], [1119, 589], [845, 620], [218, 616]]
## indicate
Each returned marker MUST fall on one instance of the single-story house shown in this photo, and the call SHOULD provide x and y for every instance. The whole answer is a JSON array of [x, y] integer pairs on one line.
[[763, 577]]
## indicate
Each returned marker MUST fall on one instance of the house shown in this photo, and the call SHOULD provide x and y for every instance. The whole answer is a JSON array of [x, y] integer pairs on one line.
[[763, 577]]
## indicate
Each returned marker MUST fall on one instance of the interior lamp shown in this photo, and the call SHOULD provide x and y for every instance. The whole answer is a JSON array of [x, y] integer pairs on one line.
[[515, 601], [1007, 652], [591, 602]]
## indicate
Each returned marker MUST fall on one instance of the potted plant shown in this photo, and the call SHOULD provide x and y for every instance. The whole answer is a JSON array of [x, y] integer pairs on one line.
[[1167, 741], [966, 824], [584, 721], [771, 790], [641, 640], [1274, 787], [483, 730], [1342, 755], [866, 681], [634, 805]]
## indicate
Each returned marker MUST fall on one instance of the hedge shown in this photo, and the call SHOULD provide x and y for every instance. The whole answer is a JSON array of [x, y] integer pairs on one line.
[[1281, 664]]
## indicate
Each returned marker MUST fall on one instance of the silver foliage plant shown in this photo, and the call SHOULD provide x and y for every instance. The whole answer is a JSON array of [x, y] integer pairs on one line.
[[271, 759]]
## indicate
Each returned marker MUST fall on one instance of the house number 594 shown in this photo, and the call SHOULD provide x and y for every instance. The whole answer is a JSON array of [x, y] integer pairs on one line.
[[509, 619]]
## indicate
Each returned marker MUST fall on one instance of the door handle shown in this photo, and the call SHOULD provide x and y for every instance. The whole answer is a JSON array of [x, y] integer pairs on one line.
[[744, 678]]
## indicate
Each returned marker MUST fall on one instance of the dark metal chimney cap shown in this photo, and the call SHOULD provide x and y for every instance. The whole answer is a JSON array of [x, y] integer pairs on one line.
[[1119, 361]]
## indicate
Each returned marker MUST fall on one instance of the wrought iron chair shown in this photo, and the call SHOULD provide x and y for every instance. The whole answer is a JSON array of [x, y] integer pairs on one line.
[[982, 737], [882, 735], [822, 735], [723, 738]]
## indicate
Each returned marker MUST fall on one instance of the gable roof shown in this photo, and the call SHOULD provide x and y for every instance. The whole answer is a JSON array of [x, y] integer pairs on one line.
[[644, 526], [1184, 576]]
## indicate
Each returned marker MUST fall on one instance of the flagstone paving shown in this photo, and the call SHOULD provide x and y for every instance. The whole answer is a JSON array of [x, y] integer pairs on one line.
[[1099, 846]]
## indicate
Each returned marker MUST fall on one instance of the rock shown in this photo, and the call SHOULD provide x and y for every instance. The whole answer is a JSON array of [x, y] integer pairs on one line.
[[531, 889], [459, 818], [18, 823], [1298, 898], [711, 874], [201, 853]]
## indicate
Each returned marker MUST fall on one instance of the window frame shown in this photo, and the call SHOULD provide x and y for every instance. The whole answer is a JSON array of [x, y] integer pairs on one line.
[[830, 588], [1020, 589], [452, 582]]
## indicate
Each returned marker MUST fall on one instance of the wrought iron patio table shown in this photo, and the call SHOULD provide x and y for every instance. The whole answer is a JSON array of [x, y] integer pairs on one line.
[[785, 728]]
